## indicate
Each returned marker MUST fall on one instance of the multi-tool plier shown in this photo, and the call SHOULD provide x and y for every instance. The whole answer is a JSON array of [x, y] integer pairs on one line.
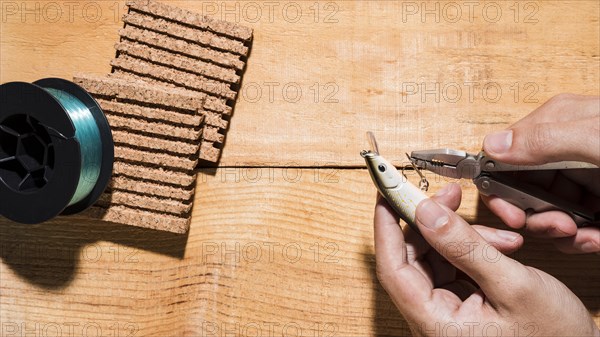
[[500, 179]]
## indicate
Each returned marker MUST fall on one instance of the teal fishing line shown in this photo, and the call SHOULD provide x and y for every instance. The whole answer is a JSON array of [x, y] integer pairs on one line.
[[87, 135], [56, 150]]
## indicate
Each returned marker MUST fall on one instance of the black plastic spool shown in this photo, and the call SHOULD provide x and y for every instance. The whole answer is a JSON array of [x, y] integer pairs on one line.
[[36, 131]]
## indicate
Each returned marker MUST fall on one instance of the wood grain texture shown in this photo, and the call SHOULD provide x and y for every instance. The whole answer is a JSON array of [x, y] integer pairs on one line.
[[83, 276], [366, 58], [287, 257]]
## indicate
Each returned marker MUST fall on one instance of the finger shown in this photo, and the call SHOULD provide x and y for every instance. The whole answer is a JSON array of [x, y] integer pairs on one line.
[[408, 288], [587, 240], [473, 303], [505, 241], [511, 215], [551, 224], [449, 196], [562, 108], [461, 245], [443, 272], [416, 246], [546, 142], [389, 250]]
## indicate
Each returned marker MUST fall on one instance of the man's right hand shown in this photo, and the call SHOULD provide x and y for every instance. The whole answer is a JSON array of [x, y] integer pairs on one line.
[[567, 127]]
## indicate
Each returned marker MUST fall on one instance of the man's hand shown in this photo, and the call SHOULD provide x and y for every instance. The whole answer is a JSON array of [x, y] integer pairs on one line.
[[509, 299], [567, 127]]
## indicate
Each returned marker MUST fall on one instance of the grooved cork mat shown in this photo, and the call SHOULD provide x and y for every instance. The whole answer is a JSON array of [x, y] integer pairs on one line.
[[180, 49], [157, 132], [168, 101]]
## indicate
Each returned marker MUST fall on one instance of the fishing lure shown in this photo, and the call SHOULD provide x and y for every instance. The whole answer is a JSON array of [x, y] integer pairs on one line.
[[393, 185]]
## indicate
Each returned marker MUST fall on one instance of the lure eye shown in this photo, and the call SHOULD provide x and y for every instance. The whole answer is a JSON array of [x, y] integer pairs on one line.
[[381, 168]]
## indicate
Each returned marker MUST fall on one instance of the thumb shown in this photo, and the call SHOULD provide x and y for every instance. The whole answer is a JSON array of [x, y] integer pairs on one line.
[[461, 245], [541, 143]]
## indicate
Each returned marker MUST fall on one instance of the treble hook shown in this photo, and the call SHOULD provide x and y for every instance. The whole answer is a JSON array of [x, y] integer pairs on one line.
[[423, 183]]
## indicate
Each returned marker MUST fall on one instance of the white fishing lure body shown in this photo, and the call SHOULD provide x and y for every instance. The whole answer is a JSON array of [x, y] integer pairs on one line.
[[401, 194]]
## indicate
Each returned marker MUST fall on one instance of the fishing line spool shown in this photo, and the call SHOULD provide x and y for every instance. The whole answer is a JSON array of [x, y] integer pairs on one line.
[[56, 150]]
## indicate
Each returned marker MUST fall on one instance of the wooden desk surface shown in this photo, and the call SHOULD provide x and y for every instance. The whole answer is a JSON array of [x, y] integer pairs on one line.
[[281, 239]]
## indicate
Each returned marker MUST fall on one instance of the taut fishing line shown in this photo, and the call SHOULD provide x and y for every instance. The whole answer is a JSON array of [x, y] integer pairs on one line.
[[56, 150]]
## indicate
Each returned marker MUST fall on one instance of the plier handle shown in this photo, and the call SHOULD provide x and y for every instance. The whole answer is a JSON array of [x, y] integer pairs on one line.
[[497, 178]]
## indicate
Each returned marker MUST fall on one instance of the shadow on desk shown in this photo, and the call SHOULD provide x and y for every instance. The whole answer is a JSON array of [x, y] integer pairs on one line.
[[47, 255], [387, 320]]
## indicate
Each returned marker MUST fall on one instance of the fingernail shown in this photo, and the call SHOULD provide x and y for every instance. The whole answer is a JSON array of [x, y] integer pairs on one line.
[[443, 191], [507, 235], [498, 142], [589, 247], [431, 215]]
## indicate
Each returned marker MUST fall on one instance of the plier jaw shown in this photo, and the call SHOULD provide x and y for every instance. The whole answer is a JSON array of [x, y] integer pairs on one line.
[[448, 163]]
